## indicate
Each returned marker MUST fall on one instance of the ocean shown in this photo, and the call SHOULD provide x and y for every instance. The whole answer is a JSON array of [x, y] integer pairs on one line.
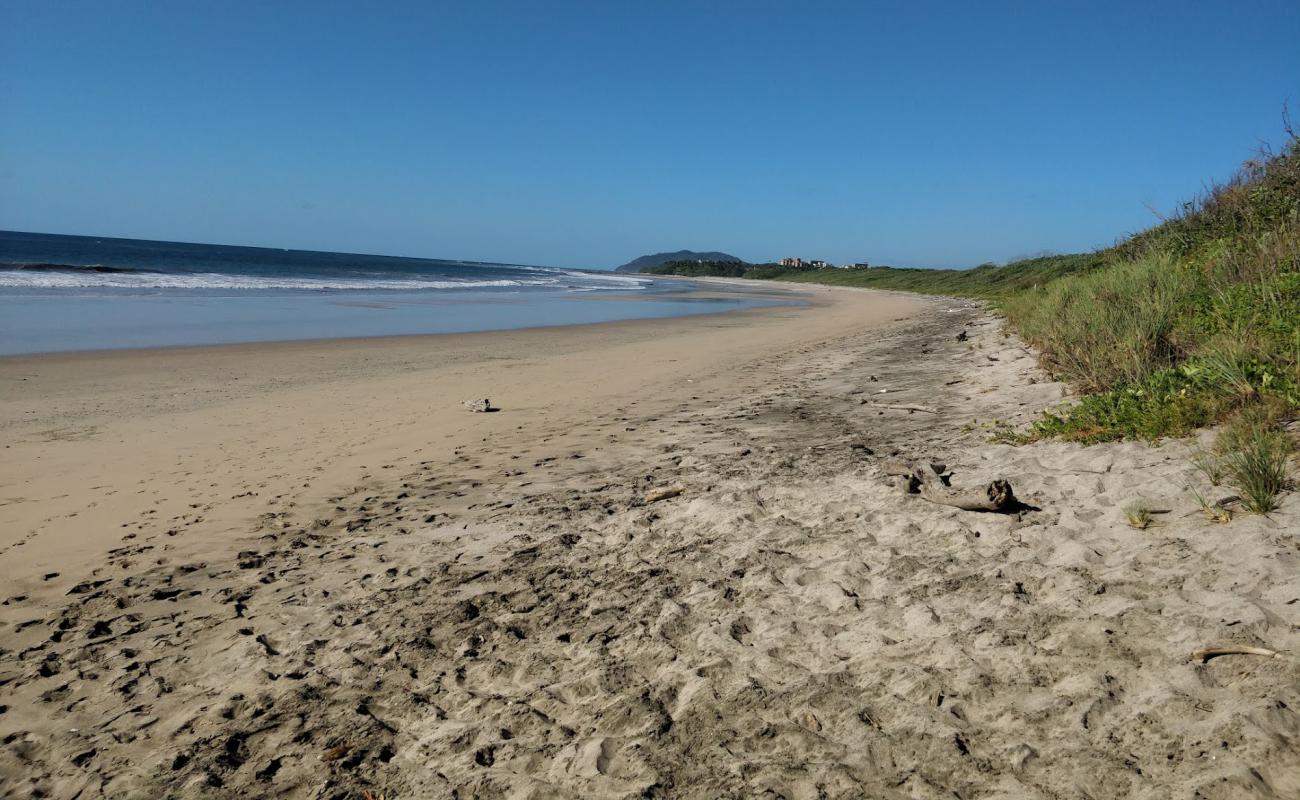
[[60, 293]]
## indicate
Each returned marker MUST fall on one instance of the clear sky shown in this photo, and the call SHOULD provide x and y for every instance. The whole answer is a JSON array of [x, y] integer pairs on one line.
[[584, 134]]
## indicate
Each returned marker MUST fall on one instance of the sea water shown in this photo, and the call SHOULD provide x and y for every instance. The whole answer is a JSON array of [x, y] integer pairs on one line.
[[61, 293]]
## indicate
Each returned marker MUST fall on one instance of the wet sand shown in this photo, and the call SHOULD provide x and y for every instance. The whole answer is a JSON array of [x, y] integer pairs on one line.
[[303, 570]]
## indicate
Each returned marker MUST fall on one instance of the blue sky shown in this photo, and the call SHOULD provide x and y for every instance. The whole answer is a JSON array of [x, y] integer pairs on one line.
[[584, 134]]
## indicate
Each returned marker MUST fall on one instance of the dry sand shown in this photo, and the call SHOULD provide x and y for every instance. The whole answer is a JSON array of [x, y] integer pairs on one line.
[[302, 570]]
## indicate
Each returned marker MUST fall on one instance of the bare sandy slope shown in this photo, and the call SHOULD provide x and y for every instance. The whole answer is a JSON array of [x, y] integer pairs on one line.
[[424, 603]]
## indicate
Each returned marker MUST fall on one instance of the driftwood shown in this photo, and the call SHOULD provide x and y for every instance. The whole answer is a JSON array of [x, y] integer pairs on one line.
[[1238, 650], [928, 481], [908, 409], [335, 753], [663, 493]]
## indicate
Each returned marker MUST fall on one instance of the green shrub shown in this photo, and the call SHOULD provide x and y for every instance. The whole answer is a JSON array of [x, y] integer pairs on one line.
[[1167, 403]]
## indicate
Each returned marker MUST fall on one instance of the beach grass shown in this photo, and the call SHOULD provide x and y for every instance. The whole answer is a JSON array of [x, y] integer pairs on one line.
[[1138, 515], [1214, 512], [1256, 452]]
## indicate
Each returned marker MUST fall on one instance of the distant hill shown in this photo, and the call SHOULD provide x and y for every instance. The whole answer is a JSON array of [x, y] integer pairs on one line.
[[646, 262]]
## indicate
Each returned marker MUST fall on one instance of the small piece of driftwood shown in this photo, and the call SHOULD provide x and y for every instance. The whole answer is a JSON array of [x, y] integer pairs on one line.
[[908, 409], [335, 753], [663, 493], [1239, 650], [927, 480]]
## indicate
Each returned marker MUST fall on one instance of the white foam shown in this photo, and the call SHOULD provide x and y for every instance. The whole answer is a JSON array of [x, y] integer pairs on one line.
[[21, 279], [599, 277]]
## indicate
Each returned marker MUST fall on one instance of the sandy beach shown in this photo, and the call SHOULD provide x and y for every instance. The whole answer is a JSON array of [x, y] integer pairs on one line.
[[305, 570]]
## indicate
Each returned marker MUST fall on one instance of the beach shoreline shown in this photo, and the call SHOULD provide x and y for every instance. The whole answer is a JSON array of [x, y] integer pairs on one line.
[[143, 295], [780, 293]]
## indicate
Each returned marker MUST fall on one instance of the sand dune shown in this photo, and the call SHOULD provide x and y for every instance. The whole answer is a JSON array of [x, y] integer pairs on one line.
[[421, 602]]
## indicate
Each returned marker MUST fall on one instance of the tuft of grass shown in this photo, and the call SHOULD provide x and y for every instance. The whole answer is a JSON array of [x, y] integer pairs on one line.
[[1210, 465], [1138, 514], [1256, 455], [1214, 512]]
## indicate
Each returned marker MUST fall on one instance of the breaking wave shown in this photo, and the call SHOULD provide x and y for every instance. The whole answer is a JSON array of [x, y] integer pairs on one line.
[[64, 276]]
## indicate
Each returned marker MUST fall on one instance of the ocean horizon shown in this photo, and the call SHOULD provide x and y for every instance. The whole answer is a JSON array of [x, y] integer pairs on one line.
[[62, 292]]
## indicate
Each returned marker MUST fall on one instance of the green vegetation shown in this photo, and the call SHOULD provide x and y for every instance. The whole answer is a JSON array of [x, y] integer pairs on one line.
[[984, 281], [1105, 328], [702, 269]]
